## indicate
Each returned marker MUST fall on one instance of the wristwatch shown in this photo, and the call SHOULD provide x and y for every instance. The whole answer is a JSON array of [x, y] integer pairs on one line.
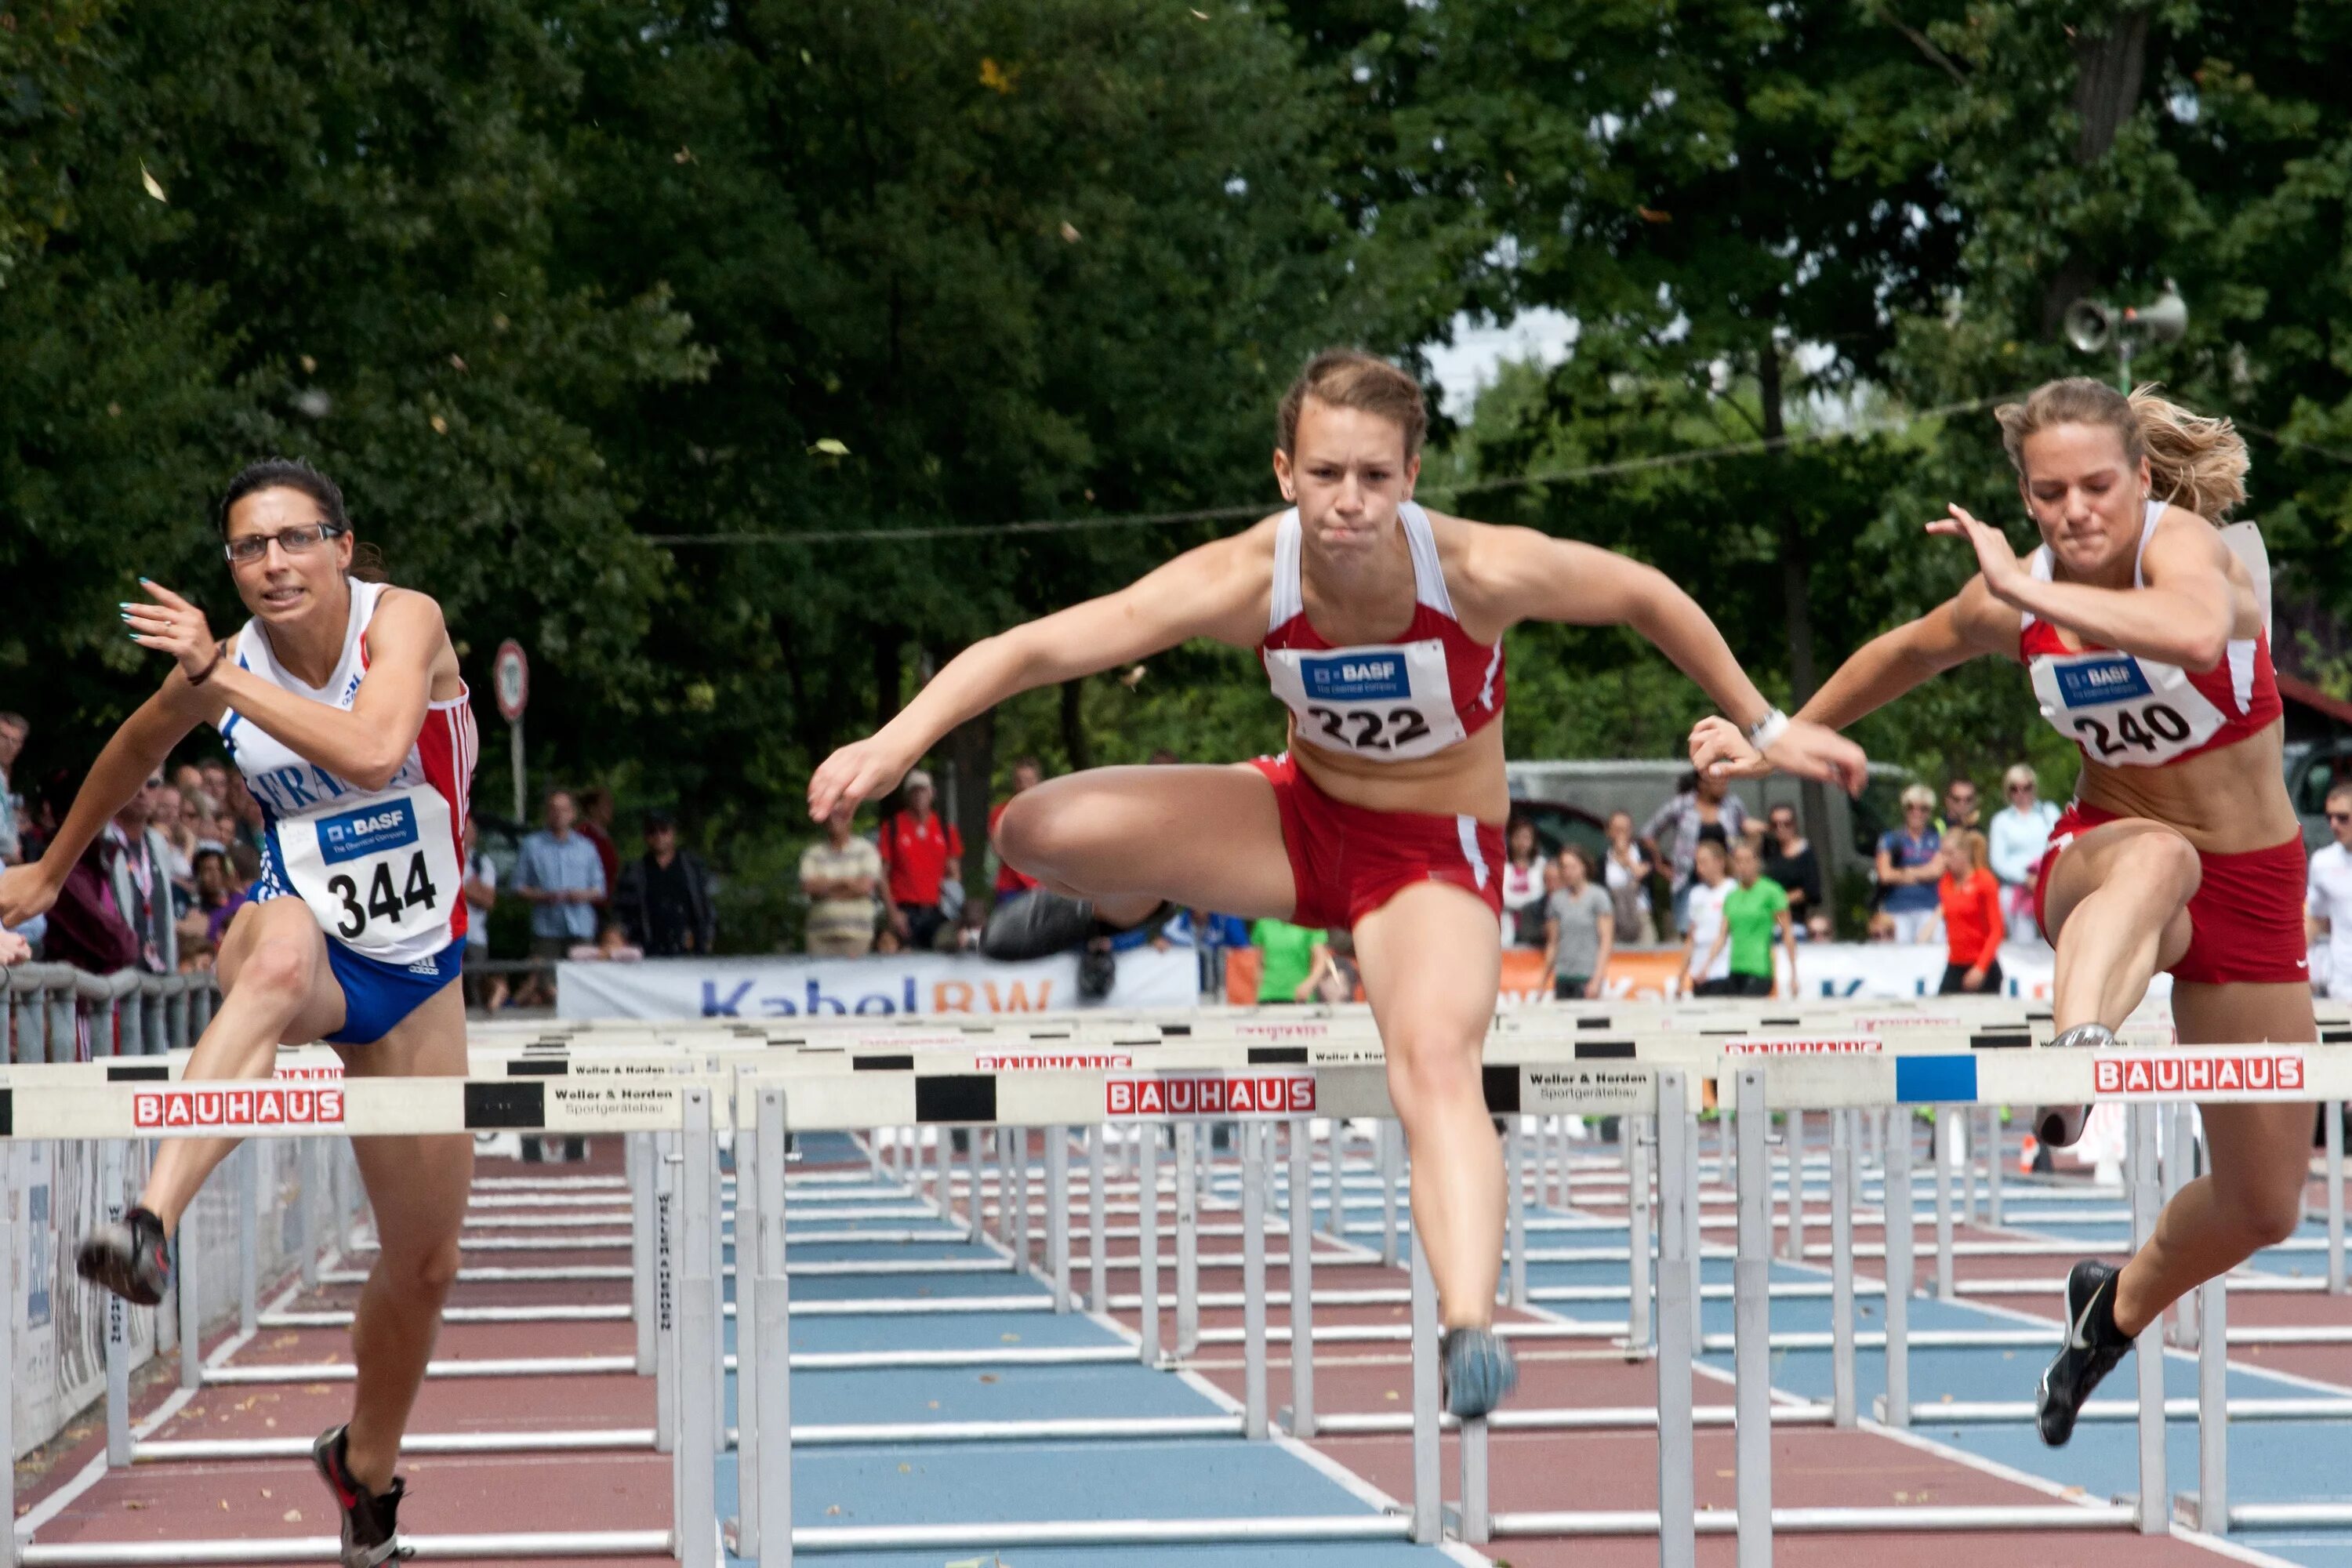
[[1766, 730]]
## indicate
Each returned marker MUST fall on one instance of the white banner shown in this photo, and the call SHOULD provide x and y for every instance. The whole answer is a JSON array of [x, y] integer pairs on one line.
[[1834, 970], [784, 987]]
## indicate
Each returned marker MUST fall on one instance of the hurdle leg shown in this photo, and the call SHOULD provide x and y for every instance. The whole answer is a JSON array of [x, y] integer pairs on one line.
[[1947, 1141], [638, 1155], [1677, 1296], [1796, 1141], [751, 1352], [1188, 1240], [249, 1258], [1057, 1213], [1251, 1138], [1147, 1156], [666, 1358], [1428, 1507], [772, 1476], [1391, 1160], [1098, 1240], [9, 1393], [2334, 1112], [1842, 1368], [1514, 1149], [2148, 1352], [2212, 1514], [2179, 1124], [1636, 1129], [118, 1318], [1302, 1283], [306, 1240], [1995, 1178], [187, 1290], [699, 1402], [943, 1170], [1335, 1218], [1752, 1322], [1020, 1136], [974, 1139], [1901, 1272], [1693, 1237]]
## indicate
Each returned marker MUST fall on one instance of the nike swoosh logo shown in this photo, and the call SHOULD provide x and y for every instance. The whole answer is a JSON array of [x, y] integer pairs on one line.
[[2078, 1337]]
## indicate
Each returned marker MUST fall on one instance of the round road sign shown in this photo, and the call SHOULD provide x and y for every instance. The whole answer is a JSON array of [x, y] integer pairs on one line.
[[510, 675]]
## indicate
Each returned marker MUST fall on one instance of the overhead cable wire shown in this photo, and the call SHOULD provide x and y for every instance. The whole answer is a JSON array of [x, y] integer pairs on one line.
[[1255, 510]]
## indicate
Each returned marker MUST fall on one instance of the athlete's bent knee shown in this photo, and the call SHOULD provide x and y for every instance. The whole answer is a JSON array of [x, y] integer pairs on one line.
[[1025, 835], [423, 1273], [277, 969]]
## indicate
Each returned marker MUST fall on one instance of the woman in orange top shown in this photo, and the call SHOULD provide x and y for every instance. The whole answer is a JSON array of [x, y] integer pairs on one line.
[[1970, 898]]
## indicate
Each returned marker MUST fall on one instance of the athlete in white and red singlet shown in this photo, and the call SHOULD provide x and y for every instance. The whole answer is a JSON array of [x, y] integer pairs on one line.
[[2147, 639], [342, 703], [1381, 626]]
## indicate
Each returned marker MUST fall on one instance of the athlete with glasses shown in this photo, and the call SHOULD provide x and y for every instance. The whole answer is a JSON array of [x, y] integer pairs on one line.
[[341, 703]]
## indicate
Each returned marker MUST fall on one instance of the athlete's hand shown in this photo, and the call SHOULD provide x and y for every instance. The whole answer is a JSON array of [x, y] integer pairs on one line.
[[25, 892], [1995, 559], [172, 625], [1719, 749], [1809, 751], [14, 949], [860, 771]]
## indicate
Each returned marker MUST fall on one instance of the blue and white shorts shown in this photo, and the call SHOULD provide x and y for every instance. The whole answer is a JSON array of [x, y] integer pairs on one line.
[[377, 996]]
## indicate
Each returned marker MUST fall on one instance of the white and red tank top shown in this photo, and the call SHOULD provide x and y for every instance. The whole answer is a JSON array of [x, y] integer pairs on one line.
[[1390, 701], [2132, 713], [381, 869]]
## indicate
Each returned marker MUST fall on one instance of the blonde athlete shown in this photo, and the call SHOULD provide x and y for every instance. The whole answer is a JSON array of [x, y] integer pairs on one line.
[[1381, 627], [2144, 637]]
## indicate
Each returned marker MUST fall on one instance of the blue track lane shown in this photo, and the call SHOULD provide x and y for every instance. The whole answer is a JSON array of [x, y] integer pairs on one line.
[[1025, 1481]]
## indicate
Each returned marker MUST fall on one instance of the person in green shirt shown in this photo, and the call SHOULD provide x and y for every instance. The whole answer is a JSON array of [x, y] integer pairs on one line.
[[1751, 911], [1286, 953]]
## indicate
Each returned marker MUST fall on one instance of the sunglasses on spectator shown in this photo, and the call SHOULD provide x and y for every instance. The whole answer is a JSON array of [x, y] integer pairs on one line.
[[302, 538], [2339, 816], [2020, 789]]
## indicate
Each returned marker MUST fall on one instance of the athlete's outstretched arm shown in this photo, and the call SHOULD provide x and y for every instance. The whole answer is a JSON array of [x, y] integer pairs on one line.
[[1529, 576], [1218, 590], [2185, 614], [1882, 669], [366, 743], [134, 751]]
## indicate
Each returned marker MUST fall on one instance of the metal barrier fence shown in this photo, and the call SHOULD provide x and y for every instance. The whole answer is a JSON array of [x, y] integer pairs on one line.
[[56, 1013]]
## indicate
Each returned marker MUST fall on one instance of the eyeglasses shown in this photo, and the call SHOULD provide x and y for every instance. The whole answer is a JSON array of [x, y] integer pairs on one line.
[[2339, 816], [2020, 789], [302, 538]]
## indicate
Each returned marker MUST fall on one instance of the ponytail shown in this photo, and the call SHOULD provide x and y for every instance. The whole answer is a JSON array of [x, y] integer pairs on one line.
[[2195, 462]]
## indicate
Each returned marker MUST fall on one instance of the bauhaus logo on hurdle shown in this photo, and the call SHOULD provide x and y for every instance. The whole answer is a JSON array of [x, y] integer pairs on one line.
[[266, 1107], [1767, 1046], [1054, 1063], [1281, 1031], [2120, 1075], [1211, 1094]]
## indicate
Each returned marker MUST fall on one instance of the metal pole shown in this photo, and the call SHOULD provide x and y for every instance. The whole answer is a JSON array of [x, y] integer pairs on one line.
[[1795, 1130], [1188, 1240], [1147, 1208], [306, 1240], [974, 1137], [773, 1474], [1752, 1324], [1302, 1278], [188, 1290], [1428, 1508], [1253, 1160], [1637, 1130], [699, 1402], [1476, 1522], [1391, 1162], [1842, 1370], [1692, 1242], [1335, 1218], [638, 1148], [514, 735], [2177, 1123], [1057, 1213], [665, 1356], [117, 1318], [1020, 1196], [1516, 1209], [248, 1262], [1097, 1241], [1003, 1139], [2214, 1409], [1946, 1126], [1994, 1178], [751, 1352], [9, 1391], [1901, 1274], [1678, 1292], [2155, 1504], [2334, 1112]]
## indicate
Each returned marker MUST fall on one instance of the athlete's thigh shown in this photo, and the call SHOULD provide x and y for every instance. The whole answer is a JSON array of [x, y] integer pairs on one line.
[[1206, 837], [1432, 960], [2261, 1144], [2083, 867], [418, 1187], [288, 926]]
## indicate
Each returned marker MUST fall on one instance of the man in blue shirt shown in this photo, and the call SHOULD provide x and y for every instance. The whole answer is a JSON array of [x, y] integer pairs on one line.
[[560, 876]]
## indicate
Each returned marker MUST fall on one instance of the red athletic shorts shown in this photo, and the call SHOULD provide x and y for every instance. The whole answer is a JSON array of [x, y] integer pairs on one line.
[[1348, 861], [2245, 919]]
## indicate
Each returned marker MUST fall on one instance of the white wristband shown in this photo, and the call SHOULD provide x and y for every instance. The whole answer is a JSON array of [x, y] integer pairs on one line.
[[1766, 730]]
